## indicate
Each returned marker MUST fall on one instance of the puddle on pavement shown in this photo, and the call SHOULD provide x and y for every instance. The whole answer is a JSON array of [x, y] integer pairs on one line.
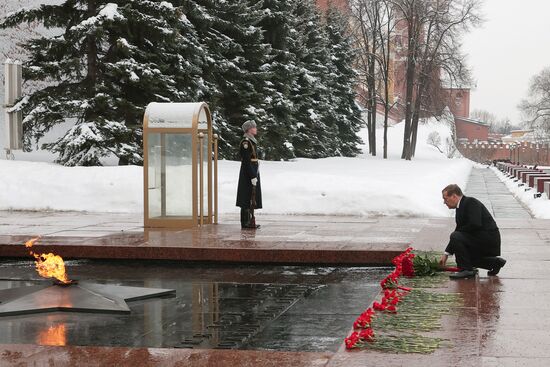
[[290, 308]]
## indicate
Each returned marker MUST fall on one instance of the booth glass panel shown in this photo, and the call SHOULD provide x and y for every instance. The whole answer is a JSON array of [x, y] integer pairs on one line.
[[170, 175], [179, 175], [154, 175]]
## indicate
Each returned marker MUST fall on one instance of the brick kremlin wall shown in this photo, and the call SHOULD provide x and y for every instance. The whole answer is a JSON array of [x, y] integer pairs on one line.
[[522, 153]]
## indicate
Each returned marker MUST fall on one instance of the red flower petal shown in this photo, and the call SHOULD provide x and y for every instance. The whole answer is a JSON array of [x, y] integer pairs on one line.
[[367, 335]]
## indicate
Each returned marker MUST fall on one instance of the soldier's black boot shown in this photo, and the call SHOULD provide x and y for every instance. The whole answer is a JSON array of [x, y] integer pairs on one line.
[[246, 218]]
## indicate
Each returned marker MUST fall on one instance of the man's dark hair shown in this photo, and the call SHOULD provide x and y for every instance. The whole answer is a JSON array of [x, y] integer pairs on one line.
[[453, 189]]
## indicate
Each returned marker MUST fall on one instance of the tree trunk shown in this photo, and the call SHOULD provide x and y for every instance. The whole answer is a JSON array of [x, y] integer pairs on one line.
[[372, 84], [410, 78], [414, 133], [386, 109], [373, 124], [416, 116], [386, 89], [386, 112], [386, 105], [369, 124], [408, 111]]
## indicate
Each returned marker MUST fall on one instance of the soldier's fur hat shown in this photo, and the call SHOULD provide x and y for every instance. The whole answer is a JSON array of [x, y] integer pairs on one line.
[[249, 124]]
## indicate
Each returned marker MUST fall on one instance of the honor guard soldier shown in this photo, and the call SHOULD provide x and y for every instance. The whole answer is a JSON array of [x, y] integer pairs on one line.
[[249, 192]]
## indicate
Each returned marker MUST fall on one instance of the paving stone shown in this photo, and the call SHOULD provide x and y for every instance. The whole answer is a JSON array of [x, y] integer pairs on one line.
[[484, 185], [289, 308]]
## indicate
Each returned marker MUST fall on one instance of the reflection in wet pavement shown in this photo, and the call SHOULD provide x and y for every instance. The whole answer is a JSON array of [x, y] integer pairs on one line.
[[55, 335], [291, 308]]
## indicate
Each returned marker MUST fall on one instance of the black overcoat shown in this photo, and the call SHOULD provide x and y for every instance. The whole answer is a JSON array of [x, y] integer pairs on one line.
[[473, 218], [249, 170]]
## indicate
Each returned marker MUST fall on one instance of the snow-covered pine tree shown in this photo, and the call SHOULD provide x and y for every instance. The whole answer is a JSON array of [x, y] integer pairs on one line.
[[315, 117], [107, 63], [233, 38], [278, 128], [342, 82]]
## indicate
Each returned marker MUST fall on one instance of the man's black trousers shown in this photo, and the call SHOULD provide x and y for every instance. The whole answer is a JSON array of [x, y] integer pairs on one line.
[[475, 250]]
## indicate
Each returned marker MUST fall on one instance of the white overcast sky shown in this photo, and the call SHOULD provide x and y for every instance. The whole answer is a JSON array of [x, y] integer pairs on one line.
[[506, 51]]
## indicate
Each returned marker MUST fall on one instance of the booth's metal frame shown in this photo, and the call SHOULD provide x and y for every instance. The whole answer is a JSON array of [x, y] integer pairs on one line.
[[197, 135]]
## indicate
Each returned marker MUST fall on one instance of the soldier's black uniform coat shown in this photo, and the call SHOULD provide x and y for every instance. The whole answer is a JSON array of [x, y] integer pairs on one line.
[[249, 170]]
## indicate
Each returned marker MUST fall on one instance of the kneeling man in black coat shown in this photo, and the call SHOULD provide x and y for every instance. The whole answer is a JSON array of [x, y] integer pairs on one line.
[[476, 240]]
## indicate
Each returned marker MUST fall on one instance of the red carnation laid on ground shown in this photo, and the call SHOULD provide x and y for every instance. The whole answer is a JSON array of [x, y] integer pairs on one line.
[[357, 339], [406, 264], [364, 320], [367, 335]]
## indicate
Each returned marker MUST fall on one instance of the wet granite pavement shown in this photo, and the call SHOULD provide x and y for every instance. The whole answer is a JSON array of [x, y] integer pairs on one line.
[[503, 321], [287, 308], [282, 239], [484, 185]]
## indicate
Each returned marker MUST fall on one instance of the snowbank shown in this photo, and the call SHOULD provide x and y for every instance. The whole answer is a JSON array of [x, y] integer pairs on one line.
[[539, 207], [48, 186], [363, 185]]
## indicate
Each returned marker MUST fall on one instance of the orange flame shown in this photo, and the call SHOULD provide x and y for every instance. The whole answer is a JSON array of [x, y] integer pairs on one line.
[[48, 265], [54, 335]]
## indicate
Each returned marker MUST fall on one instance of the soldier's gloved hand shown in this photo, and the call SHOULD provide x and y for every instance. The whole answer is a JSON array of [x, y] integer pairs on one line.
[[254, 181]]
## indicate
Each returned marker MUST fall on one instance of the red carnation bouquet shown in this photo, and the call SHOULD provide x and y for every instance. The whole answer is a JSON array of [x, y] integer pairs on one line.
[[411, 265]]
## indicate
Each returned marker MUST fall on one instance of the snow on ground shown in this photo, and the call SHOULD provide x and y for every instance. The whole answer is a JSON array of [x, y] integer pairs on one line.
[[359, 186], [363, 185], [539, 207], [48, 186]]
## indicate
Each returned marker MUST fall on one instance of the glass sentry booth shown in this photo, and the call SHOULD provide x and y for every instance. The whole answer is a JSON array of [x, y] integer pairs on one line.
[[180, 166]]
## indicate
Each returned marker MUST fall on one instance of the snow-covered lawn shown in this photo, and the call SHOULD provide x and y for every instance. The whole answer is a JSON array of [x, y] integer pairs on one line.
[[540, 207], [334, 186]]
